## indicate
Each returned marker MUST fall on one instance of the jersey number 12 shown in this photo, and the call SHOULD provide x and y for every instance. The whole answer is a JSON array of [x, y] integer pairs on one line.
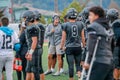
[[7, 42]]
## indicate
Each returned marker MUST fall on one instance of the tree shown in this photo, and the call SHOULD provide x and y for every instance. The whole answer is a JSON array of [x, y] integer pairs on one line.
[[1, 14], [42, 20], [75, 4]]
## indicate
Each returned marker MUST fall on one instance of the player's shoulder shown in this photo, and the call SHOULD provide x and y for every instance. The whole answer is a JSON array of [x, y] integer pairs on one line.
[[1, 32], [41, 26], [117, 20], [6, 30], [116, 23], [33, 28], [80, 24], [92, 27], [64, 25]]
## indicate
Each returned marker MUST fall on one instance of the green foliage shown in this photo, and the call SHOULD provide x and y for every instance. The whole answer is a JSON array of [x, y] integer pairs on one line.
[[42, 20], [45, 4], [75, 4], [1, 14], [49, 20]]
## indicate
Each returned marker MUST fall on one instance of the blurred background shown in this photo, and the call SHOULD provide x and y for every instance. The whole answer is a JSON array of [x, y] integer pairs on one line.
[[14, 8]]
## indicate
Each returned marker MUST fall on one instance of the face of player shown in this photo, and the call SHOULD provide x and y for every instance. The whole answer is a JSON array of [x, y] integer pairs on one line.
[[92, 17], [56, 21]]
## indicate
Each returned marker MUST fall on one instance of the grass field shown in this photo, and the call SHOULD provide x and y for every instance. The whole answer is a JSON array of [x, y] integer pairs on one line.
[[44, 62]]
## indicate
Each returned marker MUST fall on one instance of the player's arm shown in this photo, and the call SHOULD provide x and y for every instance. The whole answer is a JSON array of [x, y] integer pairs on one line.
[[34, 43], [83, 38], [34, 32], [63, 39], [42, 34], [49, 31], [16, 42], [91, 42]]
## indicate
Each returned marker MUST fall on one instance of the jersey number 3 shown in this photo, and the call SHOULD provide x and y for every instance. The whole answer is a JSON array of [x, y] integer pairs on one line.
[[74, 31], [7, 42]]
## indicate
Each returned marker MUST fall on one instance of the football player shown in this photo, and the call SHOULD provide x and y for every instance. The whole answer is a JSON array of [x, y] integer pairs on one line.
[[32, 34], [8, 41], [73, 35], [99, 42], [54, 32], [23, 50], [42, 29], [113, 17]]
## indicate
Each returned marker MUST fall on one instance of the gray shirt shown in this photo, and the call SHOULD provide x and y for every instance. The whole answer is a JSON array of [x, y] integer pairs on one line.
[[54, 37]]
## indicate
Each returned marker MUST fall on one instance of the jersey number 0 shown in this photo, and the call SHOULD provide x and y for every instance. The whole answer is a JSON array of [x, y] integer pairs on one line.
[[7, 42]]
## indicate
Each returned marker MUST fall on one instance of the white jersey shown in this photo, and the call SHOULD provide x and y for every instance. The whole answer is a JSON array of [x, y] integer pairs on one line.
[[7, 43], [23, 24]]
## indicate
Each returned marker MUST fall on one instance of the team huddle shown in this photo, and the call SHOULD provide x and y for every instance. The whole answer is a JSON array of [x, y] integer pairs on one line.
[[90, 40]]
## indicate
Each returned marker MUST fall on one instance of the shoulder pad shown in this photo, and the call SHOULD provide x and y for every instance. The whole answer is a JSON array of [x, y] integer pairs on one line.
[[91, 27], [116, 23], [34, 29], [41, 26]]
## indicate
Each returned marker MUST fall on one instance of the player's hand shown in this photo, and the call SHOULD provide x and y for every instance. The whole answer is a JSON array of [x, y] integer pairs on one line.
[[28, 56], [82, 63], [61, 48], [116, 73], [64, 48], [86, 66], [53, 30]]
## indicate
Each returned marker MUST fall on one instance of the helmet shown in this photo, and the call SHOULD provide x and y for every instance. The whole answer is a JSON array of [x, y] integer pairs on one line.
[[79, 17], [85, 12], [30, 16], [105, 11], [72, 13], [55, 17], [112, 14], [37, 15], [25, 14]]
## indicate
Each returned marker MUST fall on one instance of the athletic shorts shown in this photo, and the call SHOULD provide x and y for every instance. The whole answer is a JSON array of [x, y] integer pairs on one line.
[[35, 65], [55, 49], [3, 69]]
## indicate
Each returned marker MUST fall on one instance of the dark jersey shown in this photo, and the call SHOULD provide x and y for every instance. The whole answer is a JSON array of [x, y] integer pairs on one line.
[[42, 28], [73, 33], [116, 29], [32, 31], [104, 52], [23, 39]]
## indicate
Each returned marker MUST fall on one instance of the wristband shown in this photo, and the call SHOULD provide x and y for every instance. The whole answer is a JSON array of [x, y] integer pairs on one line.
[[31, 51]]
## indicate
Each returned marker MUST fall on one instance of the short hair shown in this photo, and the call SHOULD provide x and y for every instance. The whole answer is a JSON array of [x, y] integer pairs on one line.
[[5, 21], [97, 10]]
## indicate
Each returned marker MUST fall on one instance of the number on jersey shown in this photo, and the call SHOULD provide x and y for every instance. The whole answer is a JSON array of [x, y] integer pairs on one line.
[[7, 42], [74, 31]]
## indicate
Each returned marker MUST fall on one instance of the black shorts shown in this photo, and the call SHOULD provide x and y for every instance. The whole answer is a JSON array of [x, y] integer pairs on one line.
[[73, 50], [35, 65], [3, 69], [73, 55]]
